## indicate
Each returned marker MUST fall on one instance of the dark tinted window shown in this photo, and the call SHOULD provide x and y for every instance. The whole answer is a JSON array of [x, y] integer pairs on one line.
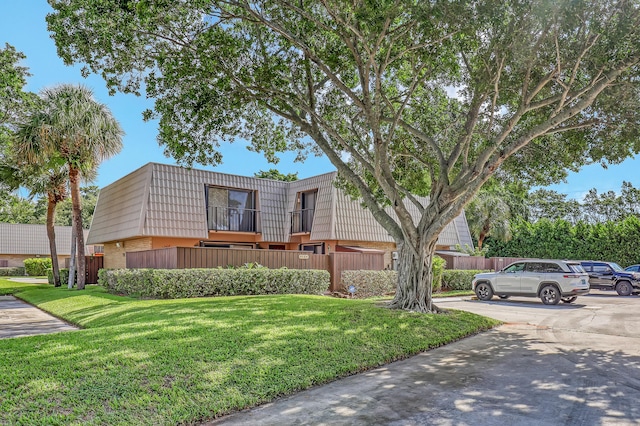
[[603, 269], [543, 267], [534, 267], [551, 267]]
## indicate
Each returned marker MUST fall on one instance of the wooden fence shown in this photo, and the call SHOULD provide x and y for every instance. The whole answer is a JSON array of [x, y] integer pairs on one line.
[[497, 263], [93, 263], [205, 257], [341, 261], [477, 262]]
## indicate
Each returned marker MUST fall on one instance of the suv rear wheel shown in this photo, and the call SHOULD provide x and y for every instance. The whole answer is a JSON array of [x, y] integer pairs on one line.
[[550, 295], [624, 288], [569, 299], [484, 291]]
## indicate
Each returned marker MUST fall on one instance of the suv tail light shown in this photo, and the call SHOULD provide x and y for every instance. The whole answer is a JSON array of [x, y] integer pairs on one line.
[[571, 276]]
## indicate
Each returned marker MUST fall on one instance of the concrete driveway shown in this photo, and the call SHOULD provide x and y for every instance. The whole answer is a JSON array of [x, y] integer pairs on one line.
[[575, 364], [18, 319]]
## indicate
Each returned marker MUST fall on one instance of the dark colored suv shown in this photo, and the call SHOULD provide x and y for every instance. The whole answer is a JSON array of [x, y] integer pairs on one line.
[[611, 276]]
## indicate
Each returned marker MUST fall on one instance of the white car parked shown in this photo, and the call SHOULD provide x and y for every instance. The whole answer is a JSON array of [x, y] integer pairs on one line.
[[550, 280]]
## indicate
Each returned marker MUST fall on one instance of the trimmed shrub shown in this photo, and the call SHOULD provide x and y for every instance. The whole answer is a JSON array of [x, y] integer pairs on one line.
[[438, 269], [64, 276], [382, 283], [458, 279], [369, 283], [36, 267], [181, 283], [15, 271]]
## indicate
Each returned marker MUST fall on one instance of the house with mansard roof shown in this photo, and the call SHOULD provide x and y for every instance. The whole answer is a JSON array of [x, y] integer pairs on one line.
[[159, 206], [19, 241]]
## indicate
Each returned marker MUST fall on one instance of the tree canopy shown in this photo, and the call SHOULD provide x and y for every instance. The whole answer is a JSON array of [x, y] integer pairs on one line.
[[403, 97], [14, 100], [276, 175]]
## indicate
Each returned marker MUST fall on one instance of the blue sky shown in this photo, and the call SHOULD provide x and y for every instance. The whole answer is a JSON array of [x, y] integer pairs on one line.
[[22, 24]]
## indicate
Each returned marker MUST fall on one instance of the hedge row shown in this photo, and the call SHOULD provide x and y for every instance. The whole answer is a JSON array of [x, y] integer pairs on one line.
[[559, 239], [12, 271], [457, 279], [180, 283], [64, 276], [382, 283], [369, 283], [37, 266]]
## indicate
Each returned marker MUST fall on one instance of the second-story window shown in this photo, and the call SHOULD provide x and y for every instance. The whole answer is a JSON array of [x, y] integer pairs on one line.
[[231, 209], [302, 216]]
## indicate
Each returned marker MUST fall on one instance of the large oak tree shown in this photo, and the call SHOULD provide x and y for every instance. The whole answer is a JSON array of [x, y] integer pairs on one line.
[[404, 97]]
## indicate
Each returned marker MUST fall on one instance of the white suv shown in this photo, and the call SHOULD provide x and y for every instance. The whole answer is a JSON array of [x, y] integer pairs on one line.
[[550, 280]]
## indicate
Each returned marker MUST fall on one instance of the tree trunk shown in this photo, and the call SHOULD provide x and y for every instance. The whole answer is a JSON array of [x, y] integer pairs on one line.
[[51, 234], [74, 180], [415, 278], [72, 261], [481, 238], [483, 234]]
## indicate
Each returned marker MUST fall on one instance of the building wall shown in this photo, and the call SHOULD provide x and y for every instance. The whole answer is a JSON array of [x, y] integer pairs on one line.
[[115, 257], [164, 242], [388, 248], [15, 260], [235, 237]]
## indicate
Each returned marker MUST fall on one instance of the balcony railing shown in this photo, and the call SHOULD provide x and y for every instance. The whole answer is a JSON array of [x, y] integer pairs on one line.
[[301, 220], [232, 219]]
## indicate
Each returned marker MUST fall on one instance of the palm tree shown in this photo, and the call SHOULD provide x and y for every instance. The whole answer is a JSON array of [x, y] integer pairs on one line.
[[489, 215], [40, 179], [73, 127]]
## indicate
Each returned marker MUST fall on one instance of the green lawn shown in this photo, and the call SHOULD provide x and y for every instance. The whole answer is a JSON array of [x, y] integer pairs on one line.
[[189, 360]]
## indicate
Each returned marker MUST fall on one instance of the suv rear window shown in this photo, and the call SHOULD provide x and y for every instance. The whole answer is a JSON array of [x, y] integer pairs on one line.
[[576, 268]]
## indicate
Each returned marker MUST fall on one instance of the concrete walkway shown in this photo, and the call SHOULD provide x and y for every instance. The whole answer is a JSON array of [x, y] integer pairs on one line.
[[18, 319]]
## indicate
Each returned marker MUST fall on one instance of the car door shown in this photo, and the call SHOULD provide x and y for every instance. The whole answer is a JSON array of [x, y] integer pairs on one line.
[[601, 275], [508, 280], [531, 276]]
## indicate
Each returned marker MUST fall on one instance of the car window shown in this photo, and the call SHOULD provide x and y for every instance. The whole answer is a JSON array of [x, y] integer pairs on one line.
[[542, 267], [576, 268], [616, 267], [551, 267], [603, 269], [516, 267], [533, 267], [633, 268]]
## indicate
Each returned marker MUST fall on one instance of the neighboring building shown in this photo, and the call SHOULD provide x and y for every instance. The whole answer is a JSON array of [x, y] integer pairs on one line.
[[23, 241], [161, 206]]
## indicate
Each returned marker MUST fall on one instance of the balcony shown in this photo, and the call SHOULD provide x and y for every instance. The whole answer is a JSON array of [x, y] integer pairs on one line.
[[232, 219], [301, 220]]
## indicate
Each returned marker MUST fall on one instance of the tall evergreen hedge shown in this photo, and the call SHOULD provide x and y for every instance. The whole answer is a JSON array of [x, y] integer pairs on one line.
[[611, 241]]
